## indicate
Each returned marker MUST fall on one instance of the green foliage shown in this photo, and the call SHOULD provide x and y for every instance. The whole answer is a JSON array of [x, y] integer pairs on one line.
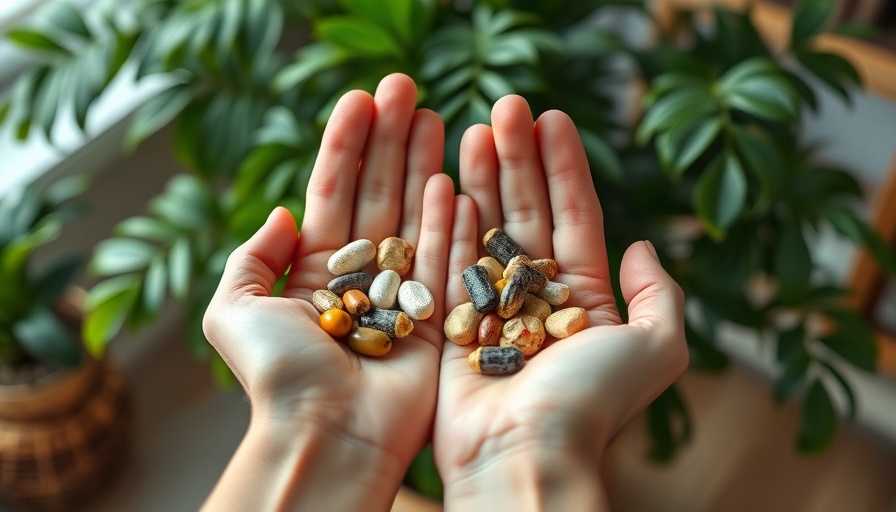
[[30, 330], [717, 140]]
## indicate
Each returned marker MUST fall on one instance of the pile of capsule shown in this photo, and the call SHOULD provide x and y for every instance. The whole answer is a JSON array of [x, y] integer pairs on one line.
[[370, 311], [512, 307]]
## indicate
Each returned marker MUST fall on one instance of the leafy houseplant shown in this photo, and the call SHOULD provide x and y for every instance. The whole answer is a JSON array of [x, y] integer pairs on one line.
[[716, 142]]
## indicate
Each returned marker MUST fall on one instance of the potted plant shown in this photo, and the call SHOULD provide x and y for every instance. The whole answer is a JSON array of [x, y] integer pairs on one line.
[[714, 142], [62, 414]]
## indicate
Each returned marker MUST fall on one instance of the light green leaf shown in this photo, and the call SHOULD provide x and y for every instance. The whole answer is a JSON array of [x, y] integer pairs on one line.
[[676, 108], [147, 228], [180, 266], [154, 285], [106, 318], [494, 86], [357, 36], [310, 60], [121, 255], [393, 16], [720, 194], [157, 113], [67, 17], [748, 69], [37, 41], [819, 420]]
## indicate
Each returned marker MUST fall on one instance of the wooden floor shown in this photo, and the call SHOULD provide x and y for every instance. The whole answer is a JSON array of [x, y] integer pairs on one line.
[[741, 458]]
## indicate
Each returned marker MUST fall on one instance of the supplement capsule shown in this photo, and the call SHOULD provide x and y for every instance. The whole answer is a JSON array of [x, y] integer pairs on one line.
[[496, 360], [325, 299], [336, 322], [546, 266], [523, 332], [566, 322], [554, 293], [356, 303], [384, 289], [351, 258], [514, 294], [396, 324], [494, 268], [490, 330], [482, 293], [416, 300], [369, 342], [354, 281], [395, 254], [535, 306], [462, 323], [501, 246]]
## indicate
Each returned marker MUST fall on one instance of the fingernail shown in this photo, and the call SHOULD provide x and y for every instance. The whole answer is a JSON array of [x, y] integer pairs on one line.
[[652, 249]]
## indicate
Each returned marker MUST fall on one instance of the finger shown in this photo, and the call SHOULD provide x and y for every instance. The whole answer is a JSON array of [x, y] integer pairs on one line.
[[524, 200], [578, 237], [331, 189], [431, 256], [426, 147], [479, 175], [655, 304], [381, 185], [464, 250], [254, 267]]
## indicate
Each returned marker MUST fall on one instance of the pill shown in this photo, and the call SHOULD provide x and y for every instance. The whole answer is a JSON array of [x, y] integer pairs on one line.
[[397, 324], [523, 332], [494, 268], [369, 342], [517, 261], [395, 254], [356, 303], [336, 322], [546, 266], [501, 246], [325, 299], [415, 300], [461, 325], [554, 293], [566, 322], [354, 281], [535, 306], [384, 289], [482, 293], [351, 258], [522, 263], [490, 330], [513, 295], [496, 360]]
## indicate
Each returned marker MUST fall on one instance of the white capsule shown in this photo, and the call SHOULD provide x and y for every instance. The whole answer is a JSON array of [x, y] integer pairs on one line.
[[384, 289], [352, 258], [554, 293], [415, 300]]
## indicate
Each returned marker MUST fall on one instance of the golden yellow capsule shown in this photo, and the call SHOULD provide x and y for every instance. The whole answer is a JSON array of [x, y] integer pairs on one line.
[[370, 342]]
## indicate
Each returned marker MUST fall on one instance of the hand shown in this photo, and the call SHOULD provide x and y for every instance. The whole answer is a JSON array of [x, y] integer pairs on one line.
[[378, 174], [543, 429]]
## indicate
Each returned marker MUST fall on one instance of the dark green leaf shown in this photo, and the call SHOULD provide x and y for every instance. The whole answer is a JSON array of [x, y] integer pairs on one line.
[[37, 41], [793, 377], [792, 262], [673, 109], [766, 97], [856, 28], [393, 16], [120, 255], [751, 69], [831, 69], [668, 425], [763, 160], [845, 386], [819, 420], [43, 335], [56, 278], [423, 476], [67, 17], [601, 156], [310, 60], [156, 113], [358, 36], [720, 194], [809, 18], [852, 339], [704, 354], [231, 16]]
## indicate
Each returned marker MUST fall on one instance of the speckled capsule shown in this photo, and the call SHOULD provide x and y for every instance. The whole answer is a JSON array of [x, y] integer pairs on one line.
[[384, 289], [396, 324], [546, 266], [493, 266], [356, 303], [354, 281], [517, 261], [501, 246], [369, 342], [535, 306], [395, 254], [523, 332], [566, 322], [416, 300], [461, 324], [324, 300], [496, 360], [490, 330], [513, 295], [351, 258], [554, 293], [482, 293]]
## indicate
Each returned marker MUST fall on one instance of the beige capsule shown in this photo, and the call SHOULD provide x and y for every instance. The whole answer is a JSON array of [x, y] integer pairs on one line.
[[554, 293], [546, 266], [523, 332], [369, 342], [356, 303], [351, 258], [493, 267], [535, 306], [490, 330], [566, 322], [324, 300], [416, 300], [462, 324], [395, 254]]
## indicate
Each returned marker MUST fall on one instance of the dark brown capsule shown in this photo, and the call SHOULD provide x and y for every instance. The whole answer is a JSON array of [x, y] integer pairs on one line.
[[354, 281], [501, 246], [482, 293], [490, 329], [397, 324], [514, 294], [496, 360]]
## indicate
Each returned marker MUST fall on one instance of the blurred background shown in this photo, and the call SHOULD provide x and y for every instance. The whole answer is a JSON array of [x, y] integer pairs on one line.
[[753, 143]]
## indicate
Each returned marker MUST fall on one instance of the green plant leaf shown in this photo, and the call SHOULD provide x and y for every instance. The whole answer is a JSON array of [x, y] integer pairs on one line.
[[853, 339], [56, 278], [676, 108], [221, 373], [764, 162], [833, 70], [720, 194], [121, 255], [750, 69], [108, 305], [393, 16], [819, 420], [602, 157], [494, 86], [792, 262], [848, 223], [147, 228], [310, 60], [844, 385], [704, 354], [36, 41], [359, 37], [180, 266], [423, 476], [154, 285], [67, 17], [766, 97], [793, 378], [668, 424], [229, 27], [157, 112], [809, 19], [43, 335]]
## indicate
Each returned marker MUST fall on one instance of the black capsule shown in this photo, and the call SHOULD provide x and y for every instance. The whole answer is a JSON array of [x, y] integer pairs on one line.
[[514, 294], [501, 246], [482, 293], [397, 324], [496, 360], [354, 281]]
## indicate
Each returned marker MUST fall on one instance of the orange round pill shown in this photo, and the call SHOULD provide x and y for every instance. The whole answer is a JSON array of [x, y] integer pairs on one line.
[[336, 322]]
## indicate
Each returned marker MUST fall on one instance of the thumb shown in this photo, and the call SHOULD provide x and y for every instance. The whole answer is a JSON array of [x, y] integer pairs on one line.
[[655, 301], [254, 267]]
